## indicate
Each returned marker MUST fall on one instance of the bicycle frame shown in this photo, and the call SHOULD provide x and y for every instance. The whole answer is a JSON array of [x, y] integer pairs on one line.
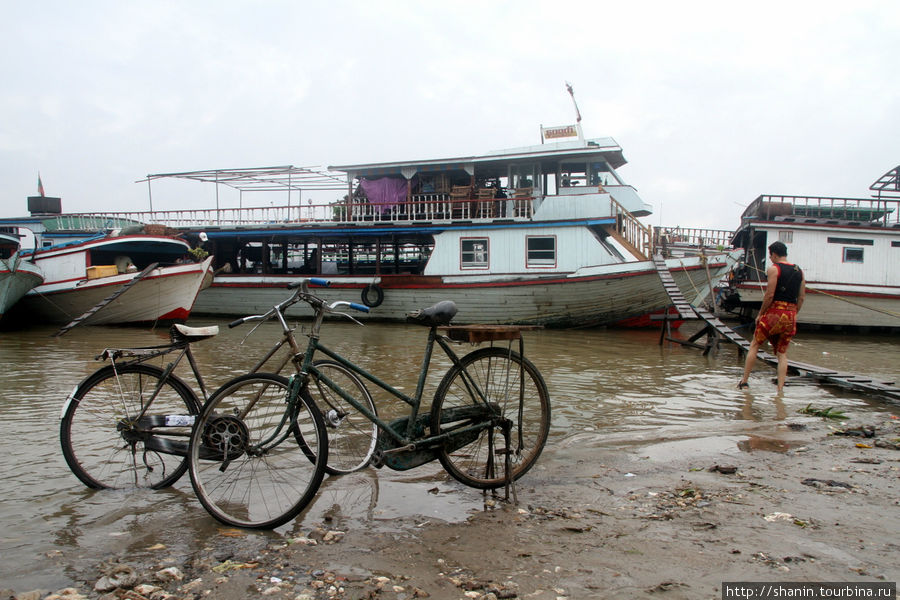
[[141, 355], [408, 440]]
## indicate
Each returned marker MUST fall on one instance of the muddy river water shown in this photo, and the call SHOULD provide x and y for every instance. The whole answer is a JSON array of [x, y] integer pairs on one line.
[[608, 388]]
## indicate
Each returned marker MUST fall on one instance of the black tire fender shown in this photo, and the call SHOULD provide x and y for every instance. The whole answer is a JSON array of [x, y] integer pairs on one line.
[[372, 295]]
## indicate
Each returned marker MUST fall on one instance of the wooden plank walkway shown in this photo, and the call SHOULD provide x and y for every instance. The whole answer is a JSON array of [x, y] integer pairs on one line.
[[685, 310], [716, 330]]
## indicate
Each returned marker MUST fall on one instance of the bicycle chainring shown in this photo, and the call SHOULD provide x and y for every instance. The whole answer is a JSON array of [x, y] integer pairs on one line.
[[227, 437]]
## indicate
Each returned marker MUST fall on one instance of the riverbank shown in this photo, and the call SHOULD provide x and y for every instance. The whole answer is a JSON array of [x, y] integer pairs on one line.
[[774, 500]]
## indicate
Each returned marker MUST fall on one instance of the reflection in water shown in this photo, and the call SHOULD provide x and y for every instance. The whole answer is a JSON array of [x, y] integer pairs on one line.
[[608, 389], [756, 443], [747, 412]]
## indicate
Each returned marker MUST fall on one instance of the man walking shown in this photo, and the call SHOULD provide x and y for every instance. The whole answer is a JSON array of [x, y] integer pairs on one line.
[[777, 319]]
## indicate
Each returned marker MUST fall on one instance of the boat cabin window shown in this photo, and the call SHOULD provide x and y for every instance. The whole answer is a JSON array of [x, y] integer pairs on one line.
[[336, 256], [786, 236], [584, 174], [853, 255], [473, 253], [523, 176], [541, 251]]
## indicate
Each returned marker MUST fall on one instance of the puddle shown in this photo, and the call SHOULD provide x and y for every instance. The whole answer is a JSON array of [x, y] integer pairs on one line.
[[691, 448], [755, 443]]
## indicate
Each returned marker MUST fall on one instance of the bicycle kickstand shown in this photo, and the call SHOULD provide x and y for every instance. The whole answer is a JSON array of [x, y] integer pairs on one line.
[[507, 467]]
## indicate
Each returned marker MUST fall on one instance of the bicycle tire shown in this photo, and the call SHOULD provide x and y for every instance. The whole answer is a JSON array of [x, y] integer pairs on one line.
[[352, 437], [497, 373], [102, 444], [239, 475]]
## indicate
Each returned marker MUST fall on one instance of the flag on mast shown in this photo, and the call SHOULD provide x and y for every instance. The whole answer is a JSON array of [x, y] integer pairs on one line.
[[40, 186]]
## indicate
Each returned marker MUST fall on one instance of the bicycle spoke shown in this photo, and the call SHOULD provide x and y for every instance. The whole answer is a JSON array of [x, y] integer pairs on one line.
[[102, 444], [247, 464], [493, 379]]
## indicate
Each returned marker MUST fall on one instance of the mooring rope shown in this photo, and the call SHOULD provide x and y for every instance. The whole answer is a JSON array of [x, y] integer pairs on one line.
[[835, 296]]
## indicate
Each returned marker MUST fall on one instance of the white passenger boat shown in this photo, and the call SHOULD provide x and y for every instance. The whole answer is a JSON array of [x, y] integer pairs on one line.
[[91, 261], [848, 248], [17, 276], [545, 235]]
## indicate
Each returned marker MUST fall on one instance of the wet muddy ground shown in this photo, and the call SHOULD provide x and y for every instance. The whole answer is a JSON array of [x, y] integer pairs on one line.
[[621, 504], [783, 500]]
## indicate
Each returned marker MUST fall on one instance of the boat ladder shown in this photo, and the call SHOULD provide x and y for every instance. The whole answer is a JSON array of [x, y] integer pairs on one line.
[[107, 300], [715, 331]]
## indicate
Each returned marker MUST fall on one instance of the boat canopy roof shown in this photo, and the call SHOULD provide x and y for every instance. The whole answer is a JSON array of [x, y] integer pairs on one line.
[[888, 185], [263, 179], [496, 164]]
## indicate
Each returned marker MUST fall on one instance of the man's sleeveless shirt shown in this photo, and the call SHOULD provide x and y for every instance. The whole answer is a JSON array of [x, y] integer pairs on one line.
[[790, 277]]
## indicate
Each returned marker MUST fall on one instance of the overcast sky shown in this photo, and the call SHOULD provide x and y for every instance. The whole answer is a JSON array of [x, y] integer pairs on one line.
[[714, 103]]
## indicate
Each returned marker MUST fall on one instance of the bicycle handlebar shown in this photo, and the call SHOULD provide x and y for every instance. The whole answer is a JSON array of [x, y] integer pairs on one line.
[[301, 283], [353, 305], [302, 294]]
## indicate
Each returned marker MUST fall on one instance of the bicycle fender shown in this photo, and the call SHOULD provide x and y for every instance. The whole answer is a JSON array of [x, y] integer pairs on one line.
[[68, 401]]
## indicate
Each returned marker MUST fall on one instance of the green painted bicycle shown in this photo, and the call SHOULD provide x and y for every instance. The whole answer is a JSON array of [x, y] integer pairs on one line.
[[257, 452]]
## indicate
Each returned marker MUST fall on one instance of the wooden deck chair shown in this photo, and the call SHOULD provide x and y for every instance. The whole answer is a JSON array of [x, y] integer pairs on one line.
[[459, 206], [485, 203], [522, 198]]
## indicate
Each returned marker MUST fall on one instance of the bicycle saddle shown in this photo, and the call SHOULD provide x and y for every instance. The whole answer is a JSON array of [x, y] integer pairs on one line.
[[183, 333], [434, 316]]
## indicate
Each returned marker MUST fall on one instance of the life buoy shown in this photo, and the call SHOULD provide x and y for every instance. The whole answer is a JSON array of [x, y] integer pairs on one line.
[[372, 290]]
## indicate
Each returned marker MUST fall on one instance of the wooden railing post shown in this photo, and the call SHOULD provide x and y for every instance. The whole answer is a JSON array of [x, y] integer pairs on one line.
[[631, 230]]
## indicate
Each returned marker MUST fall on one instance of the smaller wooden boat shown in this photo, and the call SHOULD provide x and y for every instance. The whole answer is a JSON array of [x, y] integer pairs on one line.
[[17, 276], [112, 272]]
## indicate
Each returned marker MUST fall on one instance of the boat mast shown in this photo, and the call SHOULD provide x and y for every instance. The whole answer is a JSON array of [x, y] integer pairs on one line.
[[577, 112], [572, 93]]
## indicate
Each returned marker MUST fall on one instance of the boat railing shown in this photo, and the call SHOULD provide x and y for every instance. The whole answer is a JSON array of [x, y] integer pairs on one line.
[[217, 216], [854, 210], [87, 222], [419, 207], [631, 231], [691, 237]]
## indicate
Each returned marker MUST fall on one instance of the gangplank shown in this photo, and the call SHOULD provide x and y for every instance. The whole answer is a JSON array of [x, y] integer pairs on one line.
[[716, 331]]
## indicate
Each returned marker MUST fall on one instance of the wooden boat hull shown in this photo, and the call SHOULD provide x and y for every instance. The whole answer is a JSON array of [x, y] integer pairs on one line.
[[590, 297], [165, 294], [840, 305], [17, 277]]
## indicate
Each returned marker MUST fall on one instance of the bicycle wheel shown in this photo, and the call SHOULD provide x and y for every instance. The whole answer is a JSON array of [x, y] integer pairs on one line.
[[104, 444], [257, 460], [352, 436], [499, 376]]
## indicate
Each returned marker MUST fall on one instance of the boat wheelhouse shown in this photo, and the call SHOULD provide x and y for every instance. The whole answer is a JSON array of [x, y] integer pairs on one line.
[[848, 248]]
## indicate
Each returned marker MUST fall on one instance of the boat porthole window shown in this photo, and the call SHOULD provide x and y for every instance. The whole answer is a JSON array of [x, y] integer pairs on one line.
[[541, 251], [853, 255], [473, 253]]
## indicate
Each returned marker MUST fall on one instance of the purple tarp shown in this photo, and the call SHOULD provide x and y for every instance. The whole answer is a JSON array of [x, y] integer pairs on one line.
[[384, 192]]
